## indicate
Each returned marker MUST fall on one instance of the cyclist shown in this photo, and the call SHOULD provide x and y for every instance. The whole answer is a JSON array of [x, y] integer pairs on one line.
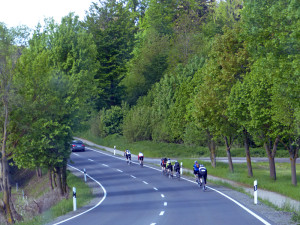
[[141, 158], [163, 164], [127, 154], [177, 167], [196, 171], [170, 167], [203, 174]]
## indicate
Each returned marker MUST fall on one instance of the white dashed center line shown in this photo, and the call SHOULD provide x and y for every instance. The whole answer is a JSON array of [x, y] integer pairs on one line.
[[155, 189], [162, 213], [145, 182], [91, 160], [76, 154], [120, 170], [133, 176], [165, 203], [162, 196], [105, 165]]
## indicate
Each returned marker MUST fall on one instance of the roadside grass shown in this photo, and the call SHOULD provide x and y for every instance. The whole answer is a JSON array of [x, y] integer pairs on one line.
[[84, 195], [159, 150], [260, 173], [188, 154]]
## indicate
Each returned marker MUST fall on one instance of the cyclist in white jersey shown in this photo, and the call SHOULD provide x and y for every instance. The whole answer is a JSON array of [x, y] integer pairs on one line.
[[127, 154], [141, 157]]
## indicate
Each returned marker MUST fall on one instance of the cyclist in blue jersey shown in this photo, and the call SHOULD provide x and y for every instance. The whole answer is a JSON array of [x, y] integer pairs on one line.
[[196, 171]]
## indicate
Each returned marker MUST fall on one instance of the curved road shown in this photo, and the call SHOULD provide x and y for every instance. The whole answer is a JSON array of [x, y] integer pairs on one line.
[[135, 195]]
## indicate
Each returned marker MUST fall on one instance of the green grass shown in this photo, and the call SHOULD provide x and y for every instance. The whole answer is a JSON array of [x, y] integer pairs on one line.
[[158, 150], [84, 195]]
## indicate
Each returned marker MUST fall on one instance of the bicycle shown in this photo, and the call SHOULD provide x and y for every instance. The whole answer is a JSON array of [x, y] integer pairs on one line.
[[141, 163], [169, 173], [177, 175], [129, 160]]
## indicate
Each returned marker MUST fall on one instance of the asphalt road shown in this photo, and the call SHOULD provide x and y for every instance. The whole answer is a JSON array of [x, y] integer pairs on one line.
[[143, 196]]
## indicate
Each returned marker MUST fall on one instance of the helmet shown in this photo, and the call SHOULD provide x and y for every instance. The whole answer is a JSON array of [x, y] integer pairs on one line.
[[196, 162]]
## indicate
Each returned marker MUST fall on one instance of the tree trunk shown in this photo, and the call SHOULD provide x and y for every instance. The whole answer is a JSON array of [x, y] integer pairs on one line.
[[59, 180], [228, 146], [271, 156], [293, 170], [247, 151], [6, 192], [64, 176], [50, 178], [38, 172], [212, 149], [5, 171]]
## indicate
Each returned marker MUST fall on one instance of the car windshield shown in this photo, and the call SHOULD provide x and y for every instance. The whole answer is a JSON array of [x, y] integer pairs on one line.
[[77, 142]]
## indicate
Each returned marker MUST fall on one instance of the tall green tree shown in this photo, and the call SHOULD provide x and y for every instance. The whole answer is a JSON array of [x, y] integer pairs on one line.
[[226, 64], [270, 29], [9, 54], [113, 29], [56, 78]]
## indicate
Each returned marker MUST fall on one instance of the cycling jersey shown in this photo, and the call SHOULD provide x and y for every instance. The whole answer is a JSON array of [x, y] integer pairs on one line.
[[176, 166], [203, 173], [170, 167], [163, 162], [127, 154], [140, 156]]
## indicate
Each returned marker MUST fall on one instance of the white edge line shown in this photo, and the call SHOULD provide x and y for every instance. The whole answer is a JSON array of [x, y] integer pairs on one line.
[[243, 207], [103, 198]]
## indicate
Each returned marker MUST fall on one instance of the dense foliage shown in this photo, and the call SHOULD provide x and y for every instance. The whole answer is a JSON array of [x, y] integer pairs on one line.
[[192, 72]]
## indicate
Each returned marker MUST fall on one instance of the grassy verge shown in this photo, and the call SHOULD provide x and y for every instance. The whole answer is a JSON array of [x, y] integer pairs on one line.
[[65, 205], [158, 150]]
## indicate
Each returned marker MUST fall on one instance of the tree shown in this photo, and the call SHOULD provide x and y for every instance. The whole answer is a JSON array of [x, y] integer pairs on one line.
[[9, 54], [269, 29], [113, 31], [227, 63], [56, 78]]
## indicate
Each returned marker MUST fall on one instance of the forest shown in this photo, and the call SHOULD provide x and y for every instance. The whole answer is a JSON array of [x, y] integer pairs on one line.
[[194, 72]]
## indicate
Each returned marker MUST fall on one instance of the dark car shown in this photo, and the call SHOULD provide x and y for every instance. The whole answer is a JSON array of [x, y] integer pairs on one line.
[[77, 146]]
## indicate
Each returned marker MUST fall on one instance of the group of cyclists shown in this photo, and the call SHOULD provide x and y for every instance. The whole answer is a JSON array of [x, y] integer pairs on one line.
[[200, 172], [127, 155], [167, 167]]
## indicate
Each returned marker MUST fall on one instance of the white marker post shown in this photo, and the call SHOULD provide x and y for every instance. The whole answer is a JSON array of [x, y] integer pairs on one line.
[[84, 172], [181, 168], [255, 192], [115, 150], [74, 199]]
